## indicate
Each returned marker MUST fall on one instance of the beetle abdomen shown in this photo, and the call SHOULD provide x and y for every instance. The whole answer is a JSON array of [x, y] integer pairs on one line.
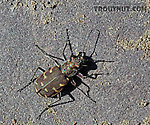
[[51, 82]]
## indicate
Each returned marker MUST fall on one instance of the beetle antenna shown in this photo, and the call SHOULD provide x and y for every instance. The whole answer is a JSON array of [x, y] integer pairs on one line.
[[87, 41], [95, 43], [69, 42], [83, 48]]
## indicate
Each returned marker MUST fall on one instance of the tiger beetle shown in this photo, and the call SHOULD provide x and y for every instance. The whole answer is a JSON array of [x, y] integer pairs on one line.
[[51, 82]]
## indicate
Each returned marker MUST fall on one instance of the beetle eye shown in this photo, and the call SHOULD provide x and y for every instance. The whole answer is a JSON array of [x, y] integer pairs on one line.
[[81, 54]]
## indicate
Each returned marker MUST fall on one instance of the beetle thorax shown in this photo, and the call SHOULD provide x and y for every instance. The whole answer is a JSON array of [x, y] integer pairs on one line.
[[70, 68]]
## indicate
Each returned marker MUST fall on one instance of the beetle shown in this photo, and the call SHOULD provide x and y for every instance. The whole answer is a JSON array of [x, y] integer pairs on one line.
[[52, 81]]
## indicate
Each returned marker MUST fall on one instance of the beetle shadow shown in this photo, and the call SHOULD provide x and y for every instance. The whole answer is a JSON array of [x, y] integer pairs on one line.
[[91, 65]]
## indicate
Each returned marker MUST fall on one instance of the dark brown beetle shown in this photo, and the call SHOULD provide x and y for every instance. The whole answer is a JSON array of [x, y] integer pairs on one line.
[[52, 81]]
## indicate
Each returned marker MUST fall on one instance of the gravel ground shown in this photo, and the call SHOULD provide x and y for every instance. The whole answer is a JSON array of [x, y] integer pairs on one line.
[[122, 96]]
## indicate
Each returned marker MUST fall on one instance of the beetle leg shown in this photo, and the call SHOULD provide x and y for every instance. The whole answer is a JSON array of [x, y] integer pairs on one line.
[[80, 75], [64, 52], [87, 87], [59, 98], [73, 82], [86, 94], [32, 79], [51, 105], [96, 61], [94, 76], [51, 56]]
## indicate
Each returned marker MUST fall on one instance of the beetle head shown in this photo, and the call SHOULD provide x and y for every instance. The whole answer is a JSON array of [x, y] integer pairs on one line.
[[79, 60]]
